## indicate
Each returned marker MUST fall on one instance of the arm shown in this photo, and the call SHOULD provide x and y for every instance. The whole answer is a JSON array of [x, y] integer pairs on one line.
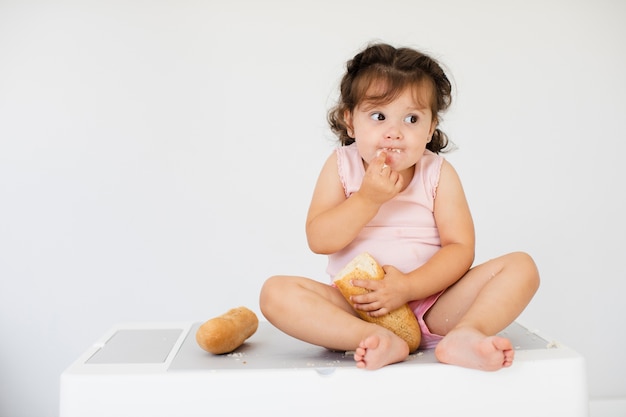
[[456, 232], [451, 262], [333, 220]]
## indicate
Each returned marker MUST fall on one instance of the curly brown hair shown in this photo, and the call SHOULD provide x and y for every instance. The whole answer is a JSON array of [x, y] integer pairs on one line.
[[396, 69]]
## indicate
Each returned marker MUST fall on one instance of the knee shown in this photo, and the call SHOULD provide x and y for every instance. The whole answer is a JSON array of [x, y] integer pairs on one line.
[[268, 294], [524, 263]]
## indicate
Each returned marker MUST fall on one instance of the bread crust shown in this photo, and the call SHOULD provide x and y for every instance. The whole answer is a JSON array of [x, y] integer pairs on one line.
[[401, 321], [225, 333]]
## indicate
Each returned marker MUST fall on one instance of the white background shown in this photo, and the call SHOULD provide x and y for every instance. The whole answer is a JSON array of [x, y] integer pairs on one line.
[[157, 160]]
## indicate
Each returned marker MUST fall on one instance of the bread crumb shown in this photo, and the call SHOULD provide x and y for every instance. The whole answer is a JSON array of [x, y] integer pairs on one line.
[[552, 345], [415, 355]]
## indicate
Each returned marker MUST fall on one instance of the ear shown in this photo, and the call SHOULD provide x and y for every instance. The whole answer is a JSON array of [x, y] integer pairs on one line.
[[433, 126], [347, 119]]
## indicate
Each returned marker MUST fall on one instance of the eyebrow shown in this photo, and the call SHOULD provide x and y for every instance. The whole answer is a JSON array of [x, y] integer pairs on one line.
[[420, 109], [368, 105]]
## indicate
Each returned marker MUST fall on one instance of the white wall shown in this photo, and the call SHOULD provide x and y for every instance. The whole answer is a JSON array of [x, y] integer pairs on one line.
[[157, 159]]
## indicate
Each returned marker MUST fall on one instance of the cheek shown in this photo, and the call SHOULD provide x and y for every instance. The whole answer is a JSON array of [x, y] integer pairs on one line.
[[366, 150]]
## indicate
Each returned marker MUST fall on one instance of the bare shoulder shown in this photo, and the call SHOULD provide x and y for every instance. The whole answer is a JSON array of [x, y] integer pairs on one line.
[[328, 190], [452, 212], [328, 180], [448, 172], [449, 181], [330, 165], [450, 200]]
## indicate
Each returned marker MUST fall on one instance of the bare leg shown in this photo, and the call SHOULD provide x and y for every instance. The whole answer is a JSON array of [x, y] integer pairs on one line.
[[317, 313], [482, 303]]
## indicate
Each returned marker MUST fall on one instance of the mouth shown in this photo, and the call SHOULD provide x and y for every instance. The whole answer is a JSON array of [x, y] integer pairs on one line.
[[387, 150]]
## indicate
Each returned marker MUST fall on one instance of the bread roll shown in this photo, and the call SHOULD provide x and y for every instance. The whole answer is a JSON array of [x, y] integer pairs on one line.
[[401, 321], [227, 332]]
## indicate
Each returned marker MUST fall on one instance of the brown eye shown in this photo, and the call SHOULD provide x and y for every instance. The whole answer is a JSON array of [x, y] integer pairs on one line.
[[377, 116], [411, 119]]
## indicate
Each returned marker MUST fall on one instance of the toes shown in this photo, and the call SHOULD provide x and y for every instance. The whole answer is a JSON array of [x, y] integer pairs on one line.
[[502, 343], [371, 342]]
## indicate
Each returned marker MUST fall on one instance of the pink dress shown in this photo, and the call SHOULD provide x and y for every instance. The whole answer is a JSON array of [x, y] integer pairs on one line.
[[403, 233]]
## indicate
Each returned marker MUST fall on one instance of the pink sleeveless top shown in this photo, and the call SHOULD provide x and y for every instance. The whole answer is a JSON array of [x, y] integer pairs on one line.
[[403, 233]]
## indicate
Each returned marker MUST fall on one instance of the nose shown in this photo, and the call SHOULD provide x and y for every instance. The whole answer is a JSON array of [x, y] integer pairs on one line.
[[393, 132]]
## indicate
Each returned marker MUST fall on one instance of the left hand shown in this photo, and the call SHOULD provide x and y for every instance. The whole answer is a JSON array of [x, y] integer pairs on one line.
[[384, 295]]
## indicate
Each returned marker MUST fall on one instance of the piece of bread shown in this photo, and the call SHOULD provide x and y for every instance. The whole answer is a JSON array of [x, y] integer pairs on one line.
[[401, 321], [227, 332]]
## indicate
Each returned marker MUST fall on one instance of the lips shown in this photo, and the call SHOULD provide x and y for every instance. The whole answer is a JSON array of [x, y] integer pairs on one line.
[[396, 150], [387, 150]]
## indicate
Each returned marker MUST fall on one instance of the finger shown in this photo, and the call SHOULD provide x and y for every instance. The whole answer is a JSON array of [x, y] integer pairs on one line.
[[372, 309], [362, 299], [381, 155], [367, 307], [384, 168], [378, 313], [389, 268], [367, 284], [378, 162], [396, 179]]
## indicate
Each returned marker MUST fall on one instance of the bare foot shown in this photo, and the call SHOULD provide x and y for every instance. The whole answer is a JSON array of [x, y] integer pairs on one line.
[[380, 349], [470, 348]]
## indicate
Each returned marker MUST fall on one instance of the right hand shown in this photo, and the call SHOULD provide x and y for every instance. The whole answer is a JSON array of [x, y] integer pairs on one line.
[[380, 183]]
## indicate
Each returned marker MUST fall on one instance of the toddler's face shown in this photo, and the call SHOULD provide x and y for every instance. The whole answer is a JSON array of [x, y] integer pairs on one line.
[[400, 128]]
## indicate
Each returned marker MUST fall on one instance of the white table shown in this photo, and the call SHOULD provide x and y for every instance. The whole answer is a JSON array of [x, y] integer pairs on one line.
[[157, 369]]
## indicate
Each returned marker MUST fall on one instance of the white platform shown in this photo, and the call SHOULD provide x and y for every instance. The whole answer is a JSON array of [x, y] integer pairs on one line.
[[157, 369]]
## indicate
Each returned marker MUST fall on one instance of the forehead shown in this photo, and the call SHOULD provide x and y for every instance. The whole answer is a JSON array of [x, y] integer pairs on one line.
[[381, 91]]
